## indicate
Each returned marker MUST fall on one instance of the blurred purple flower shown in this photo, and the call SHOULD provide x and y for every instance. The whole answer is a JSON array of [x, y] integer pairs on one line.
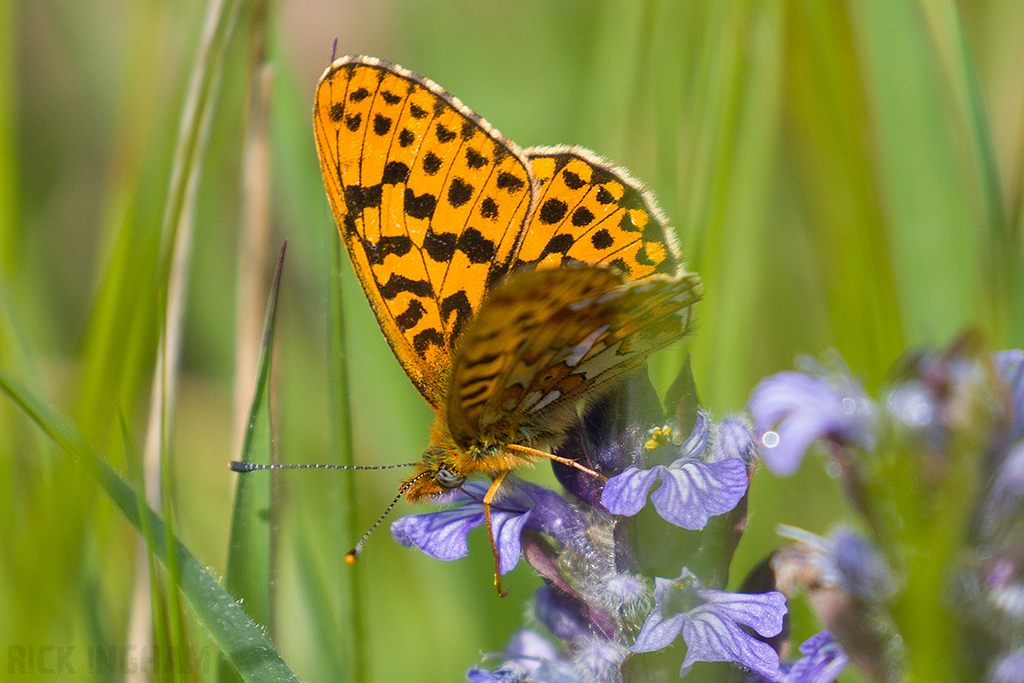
[[791, 410], [691, 491], [442, 535], [528, 657], [710, 622], [822, 660], [1010, 366]]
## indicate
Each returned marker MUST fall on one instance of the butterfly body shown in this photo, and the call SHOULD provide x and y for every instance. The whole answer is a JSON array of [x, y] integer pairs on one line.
[[514, 286]]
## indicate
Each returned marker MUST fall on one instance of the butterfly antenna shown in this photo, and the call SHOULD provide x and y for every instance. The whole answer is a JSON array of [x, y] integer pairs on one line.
[[353, 555], [237, 466]]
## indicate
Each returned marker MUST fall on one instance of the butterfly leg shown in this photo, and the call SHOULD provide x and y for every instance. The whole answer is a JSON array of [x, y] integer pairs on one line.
[[556, 458], [488, 497]]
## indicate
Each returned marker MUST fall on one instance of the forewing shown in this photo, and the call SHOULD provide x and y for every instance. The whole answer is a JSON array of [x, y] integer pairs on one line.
[[429, 200], [547, 339], [591, 212]]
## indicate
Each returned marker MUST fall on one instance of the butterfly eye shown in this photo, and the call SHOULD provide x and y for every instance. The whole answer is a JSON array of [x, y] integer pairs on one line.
[[448, 480]]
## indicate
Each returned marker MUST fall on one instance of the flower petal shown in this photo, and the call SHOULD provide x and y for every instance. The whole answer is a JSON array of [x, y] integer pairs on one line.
[[711, 636], [693, 491], [510, 672], [822, 660], [442, 535], [658, 632], [697, 441], [508, 532], [802, 408], [626, 493], [762, 612], [734, 439]]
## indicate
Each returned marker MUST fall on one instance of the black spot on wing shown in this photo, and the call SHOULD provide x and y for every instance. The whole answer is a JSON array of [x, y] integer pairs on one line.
[[336, 112], [376, 252], [381, 124], [459, 192], [510, 183], [359, 95], [572, 180], [431, 163], [475, 159], [419, 206], [353, 122], [468, 130], [604, 196], [439, 246], [601, 239], [476, 247], [552, 211], [456, 304], [559, 244], [406, 138], [489, 209], [444, 134], [395, 172], [390, 97], [425, 339], [397, 284], [582, 216], [601, 176], [416, 111], [358, 197], [412, 315]]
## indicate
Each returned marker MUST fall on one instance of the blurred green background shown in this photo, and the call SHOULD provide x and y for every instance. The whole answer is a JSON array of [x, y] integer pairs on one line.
[[843, 174]]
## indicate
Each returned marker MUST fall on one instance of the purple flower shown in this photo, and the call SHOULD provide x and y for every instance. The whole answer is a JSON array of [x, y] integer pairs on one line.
[[791, 410], [710, 622], [822, 660], [442, 535], [691, 491], [528, 657], [1010, 366], [733, 439], [1009, 669], [843, 560], [610, 436]]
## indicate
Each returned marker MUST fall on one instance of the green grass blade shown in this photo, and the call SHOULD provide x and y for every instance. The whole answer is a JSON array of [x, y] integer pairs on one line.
[[341, 436], [251, 544], [239, 638], [1002, 283], [158, 613], [932, 225]]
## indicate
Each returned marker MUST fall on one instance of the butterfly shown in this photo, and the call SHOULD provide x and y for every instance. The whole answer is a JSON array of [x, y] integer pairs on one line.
[[514, 286]]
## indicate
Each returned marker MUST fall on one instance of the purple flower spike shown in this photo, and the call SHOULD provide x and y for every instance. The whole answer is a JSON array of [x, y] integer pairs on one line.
[[710, 622], [791, 410], [691, 492], [822, 660], [442, 535]]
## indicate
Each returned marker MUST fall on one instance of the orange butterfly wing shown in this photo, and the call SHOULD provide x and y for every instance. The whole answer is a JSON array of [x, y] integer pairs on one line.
[[430, 202]]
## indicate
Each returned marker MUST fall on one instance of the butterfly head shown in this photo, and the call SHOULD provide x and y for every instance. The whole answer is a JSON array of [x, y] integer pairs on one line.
[[438, 473]]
